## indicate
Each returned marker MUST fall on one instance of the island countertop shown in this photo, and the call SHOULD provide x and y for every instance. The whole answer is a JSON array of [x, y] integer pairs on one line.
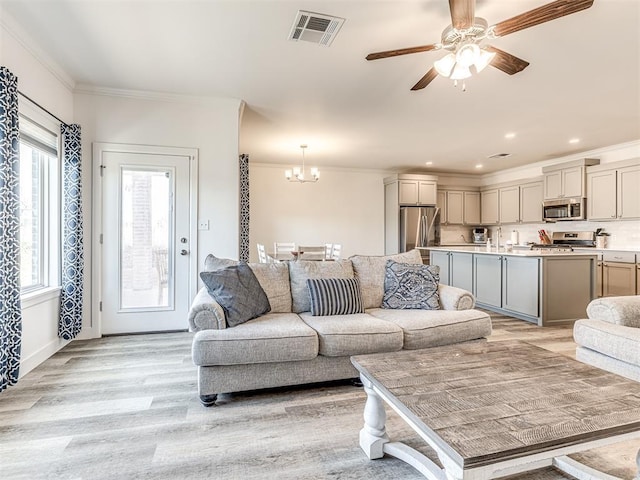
[[516, 252]]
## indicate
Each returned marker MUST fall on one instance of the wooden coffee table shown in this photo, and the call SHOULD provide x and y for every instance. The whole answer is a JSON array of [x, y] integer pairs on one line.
[[491, 409]]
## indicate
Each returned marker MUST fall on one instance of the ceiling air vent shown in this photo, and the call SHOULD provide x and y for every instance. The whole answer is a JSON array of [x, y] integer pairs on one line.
[[499, 155], [315, 28]]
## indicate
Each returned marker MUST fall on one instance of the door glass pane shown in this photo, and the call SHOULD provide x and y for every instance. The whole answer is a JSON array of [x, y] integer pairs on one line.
[[145, 239]]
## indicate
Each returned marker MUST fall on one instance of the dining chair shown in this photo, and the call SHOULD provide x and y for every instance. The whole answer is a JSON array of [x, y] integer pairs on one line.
[[262, 254], [284, 247], [336, 251], [311, 252]]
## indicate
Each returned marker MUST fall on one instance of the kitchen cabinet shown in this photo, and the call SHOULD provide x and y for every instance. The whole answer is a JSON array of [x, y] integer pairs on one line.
[[531, 203], [619, 274], [638, 277], [489, 207], [509, 208], [612, 191], [461, 270], [566, 179], [487, 278], [441, 259], [459, 207], [417, 192], [599, 267], [520, 285], [441, 203]]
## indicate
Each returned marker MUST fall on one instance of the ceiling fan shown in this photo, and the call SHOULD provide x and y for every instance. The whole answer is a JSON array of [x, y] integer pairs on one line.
[[464, 36]]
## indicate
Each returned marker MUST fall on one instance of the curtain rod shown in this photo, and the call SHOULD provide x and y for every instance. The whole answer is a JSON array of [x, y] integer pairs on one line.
[[42, 108]]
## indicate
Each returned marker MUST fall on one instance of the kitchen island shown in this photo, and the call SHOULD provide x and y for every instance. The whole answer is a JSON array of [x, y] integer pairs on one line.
[[545, 287]]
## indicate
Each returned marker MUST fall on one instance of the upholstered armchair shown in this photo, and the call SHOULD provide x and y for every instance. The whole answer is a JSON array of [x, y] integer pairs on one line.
[[610, 337]]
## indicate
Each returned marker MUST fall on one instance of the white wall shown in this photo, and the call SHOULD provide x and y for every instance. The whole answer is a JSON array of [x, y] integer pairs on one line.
[[345, 206], [50, 88], [210, 125]]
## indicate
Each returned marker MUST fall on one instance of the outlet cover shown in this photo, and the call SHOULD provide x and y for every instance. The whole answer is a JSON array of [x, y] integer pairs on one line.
[[203, 225]]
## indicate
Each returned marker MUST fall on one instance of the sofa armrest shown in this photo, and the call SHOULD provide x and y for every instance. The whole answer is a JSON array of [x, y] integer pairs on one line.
[[205, 313], [454, 298], [617, 310]]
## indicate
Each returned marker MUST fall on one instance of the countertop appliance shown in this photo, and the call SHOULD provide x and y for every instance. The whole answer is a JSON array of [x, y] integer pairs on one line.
[[565, 241], [570, 208], [479, 235], [419, 228]]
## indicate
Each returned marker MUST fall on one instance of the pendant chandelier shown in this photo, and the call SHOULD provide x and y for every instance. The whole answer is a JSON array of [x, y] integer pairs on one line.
[[297, 173]]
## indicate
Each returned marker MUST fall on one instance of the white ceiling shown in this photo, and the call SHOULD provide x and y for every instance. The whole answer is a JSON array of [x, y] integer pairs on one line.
[[583, 80]]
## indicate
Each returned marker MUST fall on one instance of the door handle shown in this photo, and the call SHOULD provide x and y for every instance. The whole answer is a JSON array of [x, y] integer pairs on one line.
[[184, 252]]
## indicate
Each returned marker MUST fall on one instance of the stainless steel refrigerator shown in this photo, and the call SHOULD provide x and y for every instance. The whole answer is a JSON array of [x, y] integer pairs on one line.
[[419, 228]]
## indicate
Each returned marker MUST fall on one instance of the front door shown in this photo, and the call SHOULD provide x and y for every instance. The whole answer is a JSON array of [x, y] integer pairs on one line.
[[146, 240]]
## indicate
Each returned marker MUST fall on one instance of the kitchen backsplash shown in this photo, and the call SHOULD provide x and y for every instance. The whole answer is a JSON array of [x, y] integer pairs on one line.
[[622, 234]]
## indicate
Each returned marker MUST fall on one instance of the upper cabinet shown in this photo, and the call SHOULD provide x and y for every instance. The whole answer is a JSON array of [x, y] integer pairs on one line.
[[490, 207], [415, 189], [509, 209], [531, 202], [566, 179], [613, 192], [459, 207], [514, 202]]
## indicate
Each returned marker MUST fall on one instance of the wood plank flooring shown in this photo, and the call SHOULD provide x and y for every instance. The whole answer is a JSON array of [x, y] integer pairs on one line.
[[127, 408]]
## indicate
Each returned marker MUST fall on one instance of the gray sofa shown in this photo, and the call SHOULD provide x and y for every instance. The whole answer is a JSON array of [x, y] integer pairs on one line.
[[610, 337], [289, 346]]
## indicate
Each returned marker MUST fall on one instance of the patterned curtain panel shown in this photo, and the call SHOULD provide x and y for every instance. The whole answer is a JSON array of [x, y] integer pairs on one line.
[[72, 251], [10, 309], [244, 207]]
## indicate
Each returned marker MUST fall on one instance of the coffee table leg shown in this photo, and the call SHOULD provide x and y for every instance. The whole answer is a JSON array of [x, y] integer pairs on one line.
[[373, 435]]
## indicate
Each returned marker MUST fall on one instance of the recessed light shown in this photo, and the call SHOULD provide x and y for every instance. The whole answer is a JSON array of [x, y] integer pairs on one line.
[[429, 163], [574, 140], [479, 165], [510, 135]]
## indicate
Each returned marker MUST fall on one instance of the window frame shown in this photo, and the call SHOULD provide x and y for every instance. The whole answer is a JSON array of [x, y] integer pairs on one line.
[[50, 207]]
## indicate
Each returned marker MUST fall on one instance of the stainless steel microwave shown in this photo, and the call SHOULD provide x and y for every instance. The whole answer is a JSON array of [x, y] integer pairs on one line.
[[572, 208]]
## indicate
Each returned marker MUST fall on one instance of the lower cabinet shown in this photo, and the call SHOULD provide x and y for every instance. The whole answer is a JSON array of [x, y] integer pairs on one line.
[[441, 259], [618, 279], [487, 279], [520, 285], [461, 270]]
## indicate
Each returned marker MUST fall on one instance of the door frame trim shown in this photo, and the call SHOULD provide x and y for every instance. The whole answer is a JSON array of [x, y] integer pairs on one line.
[[94, 330]]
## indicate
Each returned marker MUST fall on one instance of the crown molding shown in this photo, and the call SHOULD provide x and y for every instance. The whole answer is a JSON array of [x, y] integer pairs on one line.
[[15, 30], [86, 89], [322, 168]]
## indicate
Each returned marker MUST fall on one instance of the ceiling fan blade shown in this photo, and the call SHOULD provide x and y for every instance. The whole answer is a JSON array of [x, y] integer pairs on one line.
[[462, 13], [402, 51], [426, 80], [539, 15], [506, 62]]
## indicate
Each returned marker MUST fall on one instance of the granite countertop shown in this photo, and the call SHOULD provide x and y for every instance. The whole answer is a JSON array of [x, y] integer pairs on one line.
[[516, 252]]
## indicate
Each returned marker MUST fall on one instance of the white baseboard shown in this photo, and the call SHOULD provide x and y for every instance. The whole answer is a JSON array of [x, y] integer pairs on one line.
[[36, 358]]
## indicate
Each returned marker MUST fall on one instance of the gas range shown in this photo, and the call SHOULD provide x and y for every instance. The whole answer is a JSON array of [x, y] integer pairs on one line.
[[565, 241]]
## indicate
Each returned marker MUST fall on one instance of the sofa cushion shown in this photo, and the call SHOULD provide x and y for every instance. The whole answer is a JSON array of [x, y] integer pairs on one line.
[[274, 280], [334, 296], [411, 286], [301, 271], [356, 334], [430, 328], [616, 341], [212, 263], [274, 337], [370, 271], [238, 292], [617, 310]]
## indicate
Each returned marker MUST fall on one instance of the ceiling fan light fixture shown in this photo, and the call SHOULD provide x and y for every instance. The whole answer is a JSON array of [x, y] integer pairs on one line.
[[445, 65], [460, 72], [468, 54], [484, 59]]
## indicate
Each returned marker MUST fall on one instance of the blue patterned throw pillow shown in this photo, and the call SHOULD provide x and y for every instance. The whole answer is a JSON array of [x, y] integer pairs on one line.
[[411, 286], [334, 296], [238, 292]]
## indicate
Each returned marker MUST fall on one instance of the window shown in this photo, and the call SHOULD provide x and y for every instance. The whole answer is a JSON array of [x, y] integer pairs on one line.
[[39, 206]]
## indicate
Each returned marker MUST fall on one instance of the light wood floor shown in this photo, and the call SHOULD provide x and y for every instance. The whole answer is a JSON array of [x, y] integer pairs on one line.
[[127, 407]]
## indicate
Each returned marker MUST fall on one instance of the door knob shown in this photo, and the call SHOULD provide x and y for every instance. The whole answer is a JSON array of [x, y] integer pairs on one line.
[[184, 252]]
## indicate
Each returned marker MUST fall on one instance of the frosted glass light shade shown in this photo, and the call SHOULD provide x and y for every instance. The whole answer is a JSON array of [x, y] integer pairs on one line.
[[468, 54], [444, 66], [483, 60], [288, 174], [460, 72]]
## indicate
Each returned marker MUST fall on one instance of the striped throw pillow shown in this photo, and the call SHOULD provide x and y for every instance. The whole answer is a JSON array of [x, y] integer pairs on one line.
[[334, 296]]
